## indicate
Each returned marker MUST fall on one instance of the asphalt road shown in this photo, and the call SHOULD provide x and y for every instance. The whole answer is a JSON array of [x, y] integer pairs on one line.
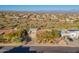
[[38, 49]]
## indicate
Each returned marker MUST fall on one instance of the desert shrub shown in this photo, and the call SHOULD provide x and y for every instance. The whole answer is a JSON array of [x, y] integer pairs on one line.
[[9, 37], [44, 36], [13, 37], [56, 33], [47, 36], [1, 38]]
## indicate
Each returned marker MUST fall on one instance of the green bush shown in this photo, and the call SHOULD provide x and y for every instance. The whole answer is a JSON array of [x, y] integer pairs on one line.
[[12, 37], [55, 33]]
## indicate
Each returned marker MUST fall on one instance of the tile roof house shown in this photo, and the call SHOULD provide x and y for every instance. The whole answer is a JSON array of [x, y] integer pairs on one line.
[[7, 31]]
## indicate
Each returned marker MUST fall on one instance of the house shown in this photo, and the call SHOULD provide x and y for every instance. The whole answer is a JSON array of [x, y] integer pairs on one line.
[[7, 31], [73, 34], [32, 32]]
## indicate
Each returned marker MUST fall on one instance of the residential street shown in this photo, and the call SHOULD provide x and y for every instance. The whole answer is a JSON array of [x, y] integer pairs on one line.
[[38, 49]]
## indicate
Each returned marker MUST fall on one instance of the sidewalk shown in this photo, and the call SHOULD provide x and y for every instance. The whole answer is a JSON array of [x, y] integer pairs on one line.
[[30, 45]]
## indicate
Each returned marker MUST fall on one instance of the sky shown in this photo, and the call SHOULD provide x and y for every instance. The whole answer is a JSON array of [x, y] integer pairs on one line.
[[39, 7]]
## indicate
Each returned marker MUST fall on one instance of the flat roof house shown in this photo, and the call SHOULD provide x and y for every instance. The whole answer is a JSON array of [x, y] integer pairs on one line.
[[73, 34]]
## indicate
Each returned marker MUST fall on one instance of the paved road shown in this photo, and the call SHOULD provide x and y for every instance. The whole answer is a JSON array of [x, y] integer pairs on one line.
[[3, 49], [39, 49], [13, 49], [56, 49]]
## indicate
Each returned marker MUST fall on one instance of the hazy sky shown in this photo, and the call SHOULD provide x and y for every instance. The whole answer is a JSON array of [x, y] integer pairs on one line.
[[40, 7]]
